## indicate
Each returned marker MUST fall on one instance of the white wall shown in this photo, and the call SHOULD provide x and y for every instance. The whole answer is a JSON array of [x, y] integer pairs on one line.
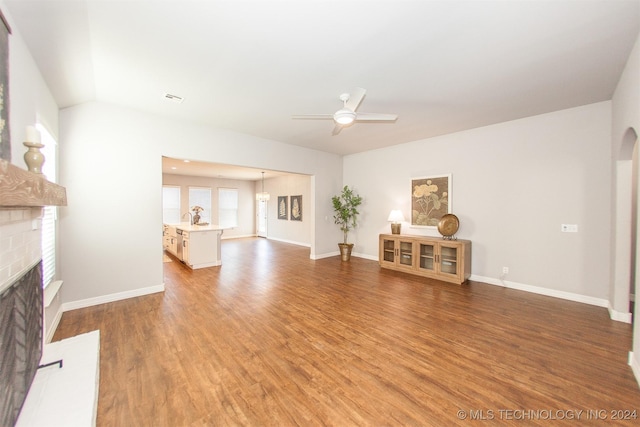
[[246, 200], [110, 162], [514, 184], [297, 232]]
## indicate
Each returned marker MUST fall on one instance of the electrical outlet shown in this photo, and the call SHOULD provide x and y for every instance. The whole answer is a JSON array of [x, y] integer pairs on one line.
[[505, 270]]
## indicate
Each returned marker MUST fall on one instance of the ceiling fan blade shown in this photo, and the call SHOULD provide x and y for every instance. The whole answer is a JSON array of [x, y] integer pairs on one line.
[[355, 98], [375, 117], [312, 116], [336, 129]]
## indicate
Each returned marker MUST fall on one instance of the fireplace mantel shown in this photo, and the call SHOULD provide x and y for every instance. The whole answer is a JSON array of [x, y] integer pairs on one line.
[[21, 188]]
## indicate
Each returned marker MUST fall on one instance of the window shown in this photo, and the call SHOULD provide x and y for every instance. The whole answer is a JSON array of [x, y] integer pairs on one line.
[[200, 196], [228, 207], [170, 204], [49, 213]]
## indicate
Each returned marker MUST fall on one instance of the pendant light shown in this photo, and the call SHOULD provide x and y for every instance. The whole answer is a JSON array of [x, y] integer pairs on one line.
[[264, 196]]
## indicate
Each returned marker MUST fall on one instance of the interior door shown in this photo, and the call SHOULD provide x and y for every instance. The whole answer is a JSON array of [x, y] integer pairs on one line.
[[261, 219]]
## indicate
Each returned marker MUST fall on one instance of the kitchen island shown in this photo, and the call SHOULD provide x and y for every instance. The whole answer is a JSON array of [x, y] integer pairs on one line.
[[198, 245]]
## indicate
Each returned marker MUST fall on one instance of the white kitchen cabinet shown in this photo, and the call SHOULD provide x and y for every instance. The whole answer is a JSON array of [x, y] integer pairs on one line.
[[170, 239], [185, 247], [201, 245]]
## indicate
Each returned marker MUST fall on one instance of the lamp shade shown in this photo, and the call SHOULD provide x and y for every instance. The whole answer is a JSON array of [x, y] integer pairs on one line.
[[396, 216]]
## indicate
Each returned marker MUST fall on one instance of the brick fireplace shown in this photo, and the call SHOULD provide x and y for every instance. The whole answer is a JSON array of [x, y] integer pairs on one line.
[[20, 241]]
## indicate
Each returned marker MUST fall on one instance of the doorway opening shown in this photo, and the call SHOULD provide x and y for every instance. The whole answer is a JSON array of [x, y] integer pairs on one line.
[[261, 218]]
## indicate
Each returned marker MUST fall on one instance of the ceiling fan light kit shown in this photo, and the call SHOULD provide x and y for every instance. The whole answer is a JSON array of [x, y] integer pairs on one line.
[[344, 116], [347, 114]]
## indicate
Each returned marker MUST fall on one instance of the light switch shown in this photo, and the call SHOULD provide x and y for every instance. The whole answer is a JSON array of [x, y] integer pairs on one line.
[[569, 228]]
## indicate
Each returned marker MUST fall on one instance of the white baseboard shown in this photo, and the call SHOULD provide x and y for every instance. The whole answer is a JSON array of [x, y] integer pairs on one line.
[[74, 305], [619, 315], [600, 302], [325, 255], [635, 366], [306, 245], [365, 256], [353, 254]]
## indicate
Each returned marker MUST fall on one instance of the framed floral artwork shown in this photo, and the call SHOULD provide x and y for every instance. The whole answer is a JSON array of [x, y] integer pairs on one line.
[[283, 202], [430, 200], [296, 208]]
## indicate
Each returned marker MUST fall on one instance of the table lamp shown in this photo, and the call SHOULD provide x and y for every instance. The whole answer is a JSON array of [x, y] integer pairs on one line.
[[395, 218]]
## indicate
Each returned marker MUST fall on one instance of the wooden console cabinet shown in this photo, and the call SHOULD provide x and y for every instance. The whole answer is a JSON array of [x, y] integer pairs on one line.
[[448, 260]]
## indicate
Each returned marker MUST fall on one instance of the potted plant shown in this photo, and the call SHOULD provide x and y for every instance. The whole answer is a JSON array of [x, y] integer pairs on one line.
[[345, 206]]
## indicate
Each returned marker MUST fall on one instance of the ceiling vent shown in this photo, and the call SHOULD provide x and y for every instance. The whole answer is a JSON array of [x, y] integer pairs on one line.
[[174, 98]]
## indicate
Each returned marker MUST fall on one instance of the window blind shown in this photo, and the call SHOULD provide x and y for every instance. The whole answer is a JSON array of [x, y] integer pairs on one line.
[[201, 196], [49, 213], [170, 204], [228, 207]]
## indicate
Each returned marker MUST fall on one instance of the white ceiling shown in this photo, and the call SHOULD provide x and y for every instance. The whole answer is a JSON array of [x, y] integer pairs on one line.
[[247, 66]]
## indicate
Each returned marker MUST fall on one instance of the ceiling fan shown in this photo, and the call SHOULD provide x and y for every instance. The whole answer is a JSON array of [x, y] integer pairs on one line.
[[347, 114]]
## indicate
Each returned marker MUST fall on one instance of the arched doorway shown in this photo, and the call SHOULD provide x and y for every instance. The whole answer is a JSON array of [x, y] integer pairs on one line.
[[625, 229]]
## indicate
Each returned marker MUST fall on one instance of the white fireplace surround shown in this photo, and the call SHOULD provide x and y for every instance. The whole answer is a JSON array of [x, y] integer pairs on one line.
[[20, 242]]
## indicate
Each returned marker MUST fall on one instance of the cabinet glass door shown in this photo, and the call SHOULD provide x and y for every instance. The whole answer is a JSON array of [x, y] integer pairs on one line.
[[406, 254], [449, 259], [427, 256], [388, 250]]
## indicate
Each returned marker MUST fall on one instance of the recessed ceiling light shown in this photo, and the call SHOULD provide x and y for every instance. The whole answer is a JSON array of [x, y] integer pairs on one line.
[[174, 98]]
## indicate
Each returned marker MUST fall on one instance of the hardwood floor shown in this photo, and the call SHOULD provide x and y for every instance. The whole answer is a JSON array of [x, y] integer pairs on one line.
[[272, 338]]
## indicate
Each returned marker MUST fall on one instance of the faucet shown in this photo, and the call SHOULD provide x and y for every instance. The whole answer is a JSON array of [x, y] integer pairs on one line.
[[190, 217]]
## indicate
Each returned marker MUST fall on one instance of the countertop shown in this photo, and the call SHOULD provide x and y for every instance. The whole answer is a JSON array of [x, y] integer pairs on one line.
[[185, 226]]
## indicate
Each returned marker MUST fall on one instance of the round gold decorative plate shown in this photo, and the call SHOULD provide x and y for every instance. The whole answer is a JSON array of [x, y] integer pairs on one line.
[[448, 225]]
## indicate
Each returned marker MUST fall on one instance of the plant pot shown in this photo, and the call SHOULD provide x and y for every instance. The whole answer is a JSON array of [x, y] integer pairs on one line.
[[345, 250]]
